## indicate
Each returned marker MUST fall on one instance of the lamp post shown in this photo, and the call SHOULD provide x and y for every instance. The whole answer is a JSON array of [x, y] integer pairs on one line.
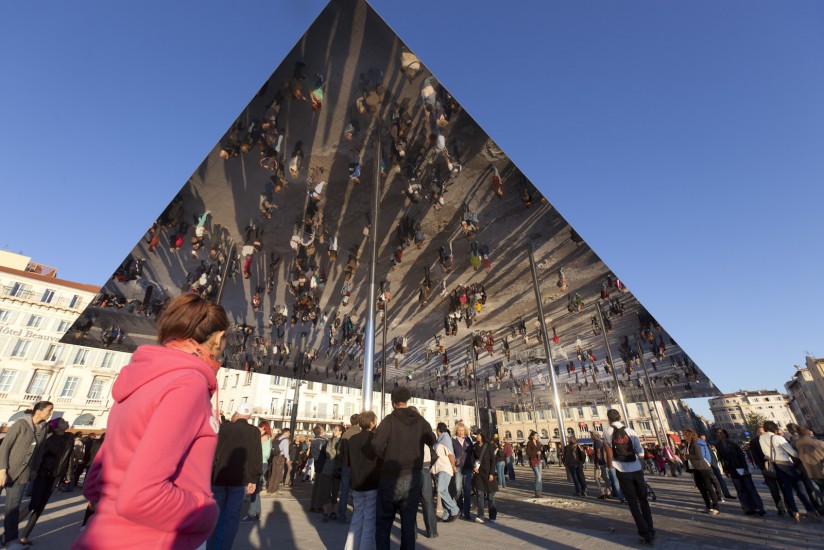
[[555, 396], [369, 344], [475, 382]]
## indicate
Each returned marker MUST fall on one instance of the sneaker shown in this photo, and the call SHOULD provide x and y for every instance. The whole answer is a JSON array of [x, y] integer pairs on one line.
[[761, 513], [325, 518], [721, 500], [478, 520], [452, 518], [714, 512]]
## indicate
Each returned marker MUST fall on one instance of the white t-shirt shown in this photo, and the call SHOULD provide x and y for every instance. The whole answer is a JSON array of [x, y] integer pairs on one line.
[[442, 463], [625, 467]]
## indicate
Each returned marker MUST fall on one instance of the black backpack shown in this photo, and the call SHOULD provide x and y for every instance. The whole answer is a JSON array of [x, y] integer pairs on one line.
[[622, 449]]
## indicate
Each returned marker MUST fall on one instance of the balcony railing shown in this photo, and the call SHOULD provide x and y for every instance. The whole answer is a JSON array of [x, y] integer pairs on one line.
[[32, 397], [4, 395], [64, 399], [94, 402]]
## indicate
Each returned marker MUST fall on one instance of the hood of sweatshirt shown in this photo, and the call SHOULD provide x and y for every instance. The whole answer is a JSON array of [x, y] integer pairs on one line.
[[705, 450], [406, 416], [151, 362]]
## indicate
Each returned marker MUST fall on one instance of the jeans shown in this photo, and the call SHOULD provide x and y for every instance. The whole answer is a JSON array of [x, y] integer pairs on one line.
[[429, 519], [501, 467], [230, 502], [14, 494], [450, 508], [539, 486], [605, 475], [634, 489], [254, 499], [400, 493], [789, 479], [747, 494], [617, 492], [493, 510], [309, 470], [463, 484], [577, 475], [345, 474], [510, 467], [361, 534]]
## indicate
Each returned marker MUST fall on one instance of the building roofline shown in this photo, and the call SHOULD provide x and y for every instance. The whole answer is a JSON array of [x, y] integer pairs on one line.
[[50, 280]]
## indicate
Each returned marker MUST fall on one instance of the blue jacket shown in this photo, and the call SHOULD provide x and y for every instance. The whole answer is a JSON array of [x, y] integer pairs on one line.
[[707, 453], [463, 454]]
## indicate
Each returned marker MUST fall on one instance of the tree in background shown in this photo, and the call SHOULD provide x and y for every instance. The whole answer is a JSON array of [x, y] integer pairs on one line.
[[752, 421]]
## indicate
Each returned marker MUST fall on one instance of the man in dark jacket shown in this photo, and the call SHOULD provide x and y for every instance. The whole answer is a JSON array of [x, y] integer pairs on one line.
[[399, 442], [236, 471], [735, 463], [53, 467]]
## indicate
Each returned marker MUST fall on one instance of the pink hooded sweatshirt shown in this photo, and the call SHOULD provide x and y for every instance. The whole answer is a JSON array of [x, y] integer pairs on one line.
[[151, 478]]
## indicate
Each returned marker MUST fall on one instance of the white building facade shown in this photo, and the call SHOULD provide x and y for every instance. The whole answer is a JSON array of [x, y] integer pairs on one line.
[[273, 399], [731, 410], [805, 400], [36, 310]]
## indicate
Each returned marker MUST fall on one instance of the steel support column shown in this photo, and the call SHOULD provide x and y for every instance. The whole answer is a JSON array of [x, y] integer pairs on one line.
[[369, 344], [623, 403], [659, 431], [293, 417], [555, 396]]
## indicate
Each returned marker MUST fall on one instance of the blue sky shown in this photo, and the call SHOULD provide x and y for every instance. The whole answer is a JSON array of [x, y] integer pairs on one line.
[[682, 140]]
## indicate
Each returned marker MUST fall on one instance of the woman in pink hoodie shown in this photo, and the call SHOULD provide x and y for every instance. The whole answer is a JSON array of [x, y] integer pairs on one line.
[[150, 482]]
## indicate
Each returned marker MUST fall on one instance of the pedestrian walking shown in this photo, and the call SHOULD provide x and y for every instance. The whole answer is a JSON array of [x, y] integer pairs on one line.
[[625, 454], [53, 467], [236, 471], [364, 467], [444, 468], [735, 462], [20, 454], [464, 461], [780, 454], [484, 480], [399, 442], [343, 500], [701, 472], [266, 450], [574, 458], [149, 485], [533, 452]]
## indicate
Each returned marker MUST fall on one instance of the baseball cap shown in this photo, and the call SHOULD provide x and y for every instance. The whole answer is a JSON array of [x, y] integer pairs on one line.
[[244, 409]]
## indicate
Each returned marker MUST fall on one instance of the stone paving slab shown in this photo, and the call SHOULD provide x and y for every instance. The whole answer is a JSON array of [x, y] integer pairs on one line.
[[558, 521]]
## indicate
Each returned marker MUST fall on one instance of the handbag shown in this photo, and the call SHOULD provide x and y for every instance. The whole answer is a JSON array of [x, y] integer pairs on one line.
[[769, 465]]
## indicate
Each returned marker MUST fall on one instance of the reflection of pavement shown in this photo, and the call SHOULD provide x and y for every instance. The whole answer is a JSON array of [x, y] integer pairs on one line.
[[347, 41], [522, 522], [139, 329]]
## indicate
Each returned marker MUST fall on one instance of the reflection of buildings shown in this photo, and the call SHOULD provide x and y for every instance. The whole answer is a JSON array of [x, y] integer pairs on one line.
[[806, 397], [326, 404], [36, 309], [681, 416], [578, 421], [731, 410]]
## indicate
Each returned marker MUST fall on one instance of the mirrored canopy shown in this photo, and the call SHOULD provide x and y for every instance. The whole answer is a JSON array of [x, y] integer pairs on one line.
[[274, 225]]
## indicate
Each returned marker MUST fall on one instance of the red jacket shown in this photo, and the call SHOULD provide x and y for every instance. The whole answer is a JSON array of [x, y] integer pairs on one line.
[[152, 477]]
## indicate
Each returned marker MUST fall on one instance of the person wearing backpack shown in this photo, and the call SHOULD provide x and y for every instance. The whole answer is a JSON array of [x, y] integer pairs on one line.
[[625, 454]]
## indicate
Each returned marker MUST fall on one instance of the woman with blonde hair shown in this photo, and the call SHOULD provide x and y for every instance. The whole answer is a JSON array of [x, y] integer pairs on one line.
[[150, 484]]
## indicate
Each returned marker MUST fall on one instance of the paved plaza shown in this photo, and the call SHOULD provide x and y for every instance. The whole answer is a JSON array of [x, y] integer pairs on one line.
[[557, 521]]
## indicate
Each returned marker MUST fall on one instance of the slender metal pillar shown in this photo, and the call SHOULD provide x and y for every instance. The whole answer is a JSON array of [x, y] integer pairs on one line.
[[555, 396], [293, 420], [624, 411], [532, 399], [659, 431], [475, 383], [383, 352], [369, 344]]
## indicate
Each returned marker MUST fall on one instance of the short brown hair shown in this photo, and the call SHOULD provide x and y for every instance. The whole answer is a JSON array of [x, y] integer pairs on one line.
[[365, 419], [354, 419], [190, 316]]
